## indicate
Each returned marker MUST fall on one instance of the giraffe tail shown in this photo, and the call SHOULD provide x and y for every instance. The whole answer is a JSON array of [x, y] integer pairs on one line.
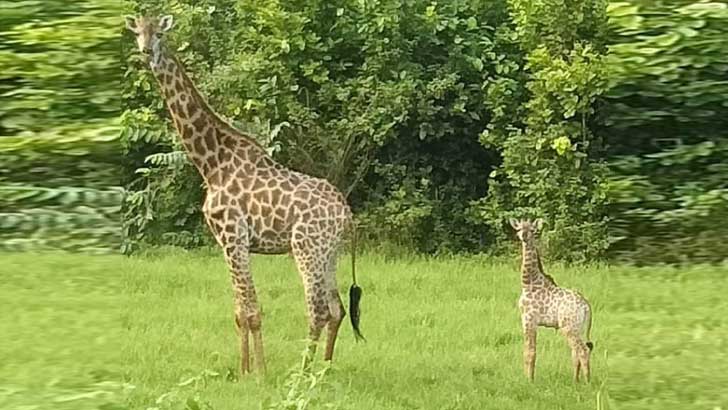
[[589, 343], [355, 292]]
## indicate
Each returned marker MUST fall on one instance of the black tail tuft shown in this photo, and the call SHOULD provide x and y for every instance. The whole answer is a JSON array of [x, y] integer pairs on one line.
[[355, 293], [590, 345]]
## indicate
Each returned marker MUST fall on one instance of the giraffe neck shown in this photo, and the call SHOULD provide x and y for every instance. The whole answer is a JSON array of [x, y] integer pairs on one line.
[[532, 273], [203, 132]]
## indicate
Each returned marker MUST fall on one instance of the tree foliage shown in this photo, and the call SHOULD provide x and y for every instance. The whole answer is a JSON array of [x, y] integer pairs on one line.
[[384, 99], [59, 161], [666, 130], [441, 120], [551, 166]]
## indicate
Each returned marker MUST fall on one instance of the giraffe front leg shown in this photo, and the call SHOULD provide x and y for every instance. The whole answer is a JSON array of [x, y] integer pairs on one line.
[[247, 311], [529, 349], [241, 322], [255, 323]]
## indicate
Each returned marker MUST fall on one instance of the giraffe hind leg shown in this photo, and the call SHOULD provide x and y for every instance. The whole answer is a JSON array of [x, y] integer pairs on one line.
[[337, 312], [575, 363], [318, 318], [312, 265], [336, 308], [579, 354], [585, 361]]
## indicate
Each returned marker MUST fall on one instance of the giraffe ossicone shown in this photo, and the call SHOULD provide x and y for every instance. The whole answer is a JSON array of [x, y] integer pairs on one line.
[[544, 303], [254, 204]]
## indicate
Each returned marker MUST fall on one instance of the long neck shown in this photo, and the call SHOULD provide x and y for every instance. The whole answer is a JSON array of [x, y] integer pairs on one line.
[[532, 273], [207, 138]]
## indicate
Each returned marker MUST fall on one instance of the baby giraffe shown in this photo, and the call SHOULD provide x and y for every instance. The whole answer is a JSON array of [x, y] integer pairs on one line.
[[543, 303]]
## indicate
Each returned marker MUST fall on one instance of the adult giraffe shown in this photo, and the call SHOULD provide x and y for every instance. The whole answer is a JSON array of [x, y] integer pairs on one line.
[[254, 204]]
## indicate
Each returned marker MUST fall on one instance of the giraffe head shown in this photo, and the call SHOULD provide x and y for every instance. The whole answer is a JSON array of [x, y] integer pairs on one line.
[[526, 229], [149, 32]]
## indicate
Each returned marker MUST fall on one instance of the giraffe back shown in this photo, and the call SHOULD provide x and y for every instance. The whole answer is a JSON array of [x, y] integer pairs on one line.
[[553, 306]]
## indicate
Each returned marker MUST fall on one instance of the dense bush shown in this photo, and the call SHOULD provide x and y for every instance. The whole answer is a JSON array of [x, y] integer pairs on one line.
[[442, 120], [365, 96], [59, 158], [667, 130], [386, 100], [551, 166]]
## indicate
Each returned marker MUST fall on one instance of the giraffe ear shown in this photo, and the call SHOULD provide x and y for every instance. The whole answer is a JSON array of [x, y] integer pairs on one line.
[[514, 223], [538, 223], [166, 23], [130, 23]]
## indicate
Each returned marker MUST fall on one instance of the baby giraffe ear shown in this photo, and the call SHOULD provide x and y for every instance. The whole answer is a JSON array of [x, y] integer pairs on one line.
[[166, 23], [130, 23], [538, 223], [514, 223]]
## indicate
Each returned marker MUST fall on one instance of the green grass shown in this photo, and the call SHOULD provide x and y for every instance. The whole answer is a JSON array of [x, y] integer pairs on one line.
[[442, 334], [60, 340]]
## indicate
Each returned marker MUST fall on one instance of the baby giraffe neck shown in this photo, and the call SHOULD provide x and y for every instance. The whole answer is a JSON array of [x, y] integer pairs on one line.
[[530, 266]]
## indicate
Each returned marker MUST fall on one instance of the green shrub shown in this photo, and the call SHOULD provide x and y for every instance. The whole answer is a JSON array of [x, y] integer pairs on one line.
[[550, 159], [666, 131], [60, 163]]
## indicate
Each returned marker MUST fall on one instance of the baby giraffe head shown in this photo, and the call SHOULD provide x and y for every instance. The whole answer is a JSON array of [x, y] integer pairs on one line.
[[149, 32], [526, 229]]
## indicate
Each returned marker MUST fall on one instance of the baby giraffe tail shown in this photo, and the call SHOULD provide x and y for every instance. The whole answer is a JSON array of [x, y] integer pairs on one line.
[[589, 343]]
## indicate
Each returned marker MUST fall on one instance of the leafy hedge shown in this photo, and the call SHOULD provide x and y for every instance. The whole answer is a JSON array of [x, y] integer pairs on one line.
[[439, 120], [59, 159], [388, 101], [667, 136], [442, 120], [551, 165]]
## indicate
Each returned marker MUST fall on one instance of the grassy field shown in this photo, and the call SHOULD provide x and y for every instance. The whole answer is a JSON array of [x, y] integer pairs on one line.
[[442, 334]]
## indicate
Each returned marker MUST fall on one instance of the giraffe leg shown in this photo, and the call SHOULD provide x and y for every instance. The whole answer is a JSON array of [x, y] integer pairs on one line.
[[576, 366], [255, 323], [579, 351], [529, 349], [318, 316], [312, 265], [241, 322], [247, 310], [336, 308], [585, 361]]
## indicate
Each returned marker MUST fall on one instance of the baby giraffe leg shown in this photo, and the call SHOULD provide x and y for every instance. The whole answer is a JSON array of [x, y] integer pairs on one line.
[[584, 360], [575, 354], [579, 354], [529, 350]]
